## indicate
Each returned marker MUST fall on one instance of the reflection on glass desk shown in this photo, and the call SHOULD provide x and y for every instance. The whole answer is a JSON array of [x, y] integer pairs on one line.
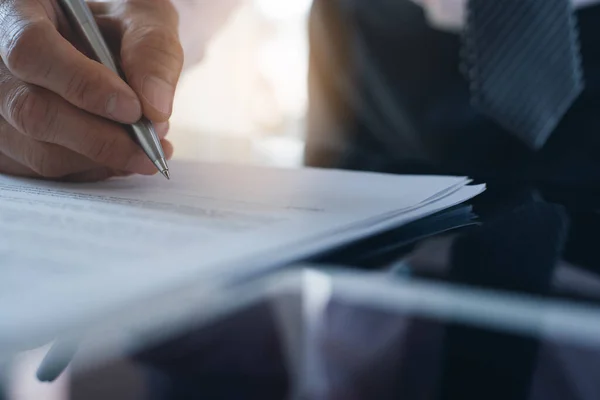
[[495, 300], [524, 240], [339, 335]]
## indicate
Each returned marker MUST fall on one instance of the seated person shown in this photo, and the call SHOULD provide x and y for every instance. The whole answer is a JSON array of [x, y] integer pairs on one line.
[[386, 88]]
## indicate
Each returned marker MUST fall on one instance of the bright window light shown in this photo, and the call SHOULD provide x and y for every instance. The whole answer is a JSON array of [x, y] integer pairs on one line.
[[283, 9]]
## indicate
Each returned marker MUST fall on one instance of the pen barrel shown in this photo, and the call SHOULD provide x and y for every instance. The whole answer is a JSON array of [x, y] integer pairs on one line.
[[145, 136], [143, 131], [84, 22]]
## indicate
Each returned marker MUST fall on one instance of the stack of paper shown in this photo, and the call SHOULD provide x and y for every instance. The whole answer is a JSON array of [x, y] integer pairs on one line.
[[70, 251]]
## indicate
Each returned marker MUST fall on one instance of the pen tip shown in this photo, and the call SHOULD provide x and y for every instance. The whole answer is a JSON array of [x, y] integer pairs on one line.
[[163, 167]]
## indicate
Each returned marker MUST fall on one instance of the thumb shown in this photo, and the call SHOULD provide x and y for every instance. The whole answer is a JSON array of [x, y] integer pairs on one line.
[[151, 55]]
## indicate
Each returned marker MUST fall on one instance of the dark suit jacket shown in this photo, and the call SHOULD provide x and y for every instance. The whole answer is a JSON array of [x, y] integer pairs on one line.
[[386, 94]]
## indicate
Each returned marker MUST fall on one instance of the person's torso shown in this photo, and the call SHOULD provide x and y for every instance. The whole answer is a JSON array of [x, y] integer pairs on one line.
[[387, 94]]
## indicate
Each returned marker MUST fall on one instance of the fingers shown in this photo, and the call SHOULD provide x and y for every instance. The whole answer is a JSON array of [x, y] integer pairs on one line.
[[151, 54], [162, 129], [35, 52], [29, 157], [44, 160], [44, 117], [9, 166], [94, 175], [100, 173], [168, 149]]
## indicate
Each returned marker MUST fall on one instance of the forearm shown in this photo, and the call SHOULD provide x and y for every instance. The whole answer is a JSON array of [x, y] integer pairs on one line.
[[199, 20]]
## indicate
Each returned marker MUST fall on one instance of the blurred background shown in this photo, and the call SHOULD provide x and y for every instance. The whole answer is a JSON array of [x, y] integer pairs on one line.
[[242, 99], [245, 101]]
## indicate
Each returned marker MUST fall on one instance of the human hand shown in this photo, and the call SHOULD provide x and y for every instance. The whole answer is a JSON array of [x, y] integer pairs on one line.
[[61, 111]]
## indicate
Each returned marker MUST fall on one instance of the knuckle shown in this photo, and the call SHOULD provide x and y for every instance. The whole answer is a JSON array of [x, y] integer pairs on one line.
[[23, 47], [78, 87], [33, 114]]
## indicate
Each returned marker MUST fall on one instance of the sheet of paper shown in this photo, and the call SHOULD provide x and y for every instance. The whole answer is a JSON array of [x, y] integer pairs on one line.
[[68, 251]]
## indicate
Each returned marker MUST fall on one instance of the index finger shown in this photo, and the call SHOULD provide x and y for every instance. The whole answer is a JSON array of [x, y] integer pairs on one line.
[[35, 52]]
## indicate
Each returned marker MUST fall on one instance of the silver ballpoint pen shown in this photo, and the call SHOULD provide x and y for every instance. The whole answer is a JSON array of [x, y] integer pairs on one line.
[[142, 131]]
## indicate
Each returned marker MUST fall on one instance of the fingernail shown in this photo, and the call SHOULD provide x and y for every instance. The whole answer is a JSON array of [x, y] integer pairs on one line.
[[124, 108], [159, 94]]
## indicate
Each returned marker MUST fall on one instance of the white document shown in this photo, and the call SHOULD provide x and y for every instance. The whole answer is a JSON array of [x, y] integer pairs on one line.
[[68, 251]]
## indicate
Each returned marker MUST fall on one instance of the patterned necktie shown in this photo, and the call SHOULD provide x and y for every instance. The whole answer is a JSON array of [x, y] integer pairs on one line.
[[522, 61]]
